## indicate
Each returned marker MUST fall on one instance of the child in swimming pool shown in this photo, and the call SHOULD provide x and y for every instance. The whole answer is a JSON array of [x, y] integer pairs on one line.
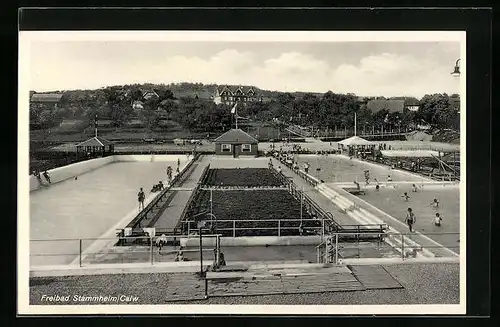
[[437, 219], [435, 204]]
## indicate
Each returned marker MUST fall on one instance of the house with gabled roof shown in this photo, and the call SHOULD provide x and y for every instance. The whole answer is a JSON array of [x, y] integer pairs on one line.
[[239, 95], [47, 98], [236, 142], [95, 147], [148, 94]]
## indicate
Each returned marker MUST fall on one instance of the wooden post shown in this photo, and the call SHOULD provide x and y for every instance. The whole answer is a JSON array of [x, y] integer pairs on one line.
[[322, 229], [336, 248], [402, 247], [151, 248], [234, 228], [279, 228], [301, 204], [206, 288], [201, 253]]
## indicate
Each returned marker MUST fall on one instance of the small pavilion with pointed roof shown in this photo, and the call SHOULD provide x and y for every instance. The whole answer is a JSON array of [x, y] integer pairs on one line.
[[237, 143], [95, 147]]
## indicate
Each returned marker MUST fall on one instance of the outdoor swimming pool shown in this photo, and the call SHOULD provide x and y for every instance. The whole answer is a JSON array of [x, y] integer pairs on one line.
[[389, 200], [87, 207], [337, 168]]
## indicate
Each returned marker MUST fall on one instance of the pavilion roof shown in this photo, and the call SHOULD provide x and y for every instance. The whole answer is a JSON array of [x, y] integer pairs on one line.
[[95, 141]]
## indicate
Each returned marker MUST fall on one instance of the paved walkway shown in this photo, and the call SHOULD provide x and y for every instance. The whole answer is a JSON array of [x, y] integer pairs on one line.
[[173, 211], [320, 199]]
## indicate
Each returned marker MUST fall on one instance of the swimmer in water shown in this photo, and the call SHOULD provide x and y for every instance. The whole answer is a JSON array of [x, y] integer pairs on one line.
[[405, 196], [435, 203], [377, 187], [414, 188], [357, 185], [389, 178], [437, 219]]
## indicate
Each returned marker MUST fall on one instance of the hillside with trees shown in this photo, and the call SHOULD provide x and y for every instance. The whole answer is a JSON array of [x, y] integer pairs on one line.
[[189, 106]]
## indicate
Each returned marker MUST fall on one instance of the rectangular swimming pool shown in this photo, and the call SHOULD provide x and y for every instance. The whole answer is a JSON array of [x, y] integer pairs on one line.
[[87, 207]]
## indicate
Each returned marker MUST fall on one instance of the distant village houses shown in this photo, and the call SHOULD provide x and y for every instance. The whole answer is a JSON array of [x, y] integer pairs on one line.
[[148, 94], [227, 96], [412, 107], [47, 98]]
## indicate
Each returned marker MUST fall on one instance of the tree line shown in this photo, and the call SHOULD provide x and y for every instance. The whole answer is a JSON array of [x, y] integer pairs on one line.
[[329, 110]]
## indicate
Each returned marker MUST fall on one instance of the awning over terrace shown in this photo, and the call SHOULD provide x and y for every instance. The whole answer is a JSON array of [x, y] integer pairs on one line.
[[410, 153], [355, 141]]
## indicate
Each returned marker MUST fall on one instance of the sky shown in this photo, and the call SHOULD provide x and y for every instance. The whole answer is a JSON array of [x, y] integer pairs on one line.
[[363, 68]]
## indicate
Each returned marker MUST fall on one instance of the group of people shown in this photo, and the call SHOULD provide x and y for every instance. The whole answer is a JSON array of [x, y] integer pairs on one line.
[[141, 196], [411, 218], [383, 146], [157, 187], [46, 175]]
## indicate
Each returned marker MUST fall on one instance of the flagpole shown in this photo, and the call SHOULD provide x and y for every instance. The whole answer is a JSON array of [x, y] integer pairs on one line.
[[355, 123], [236, 114], [95, 125]]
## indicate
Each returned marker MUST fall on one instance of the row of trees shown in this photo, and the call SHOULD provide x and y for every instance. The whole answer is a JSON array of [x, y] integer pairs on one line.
[[337, 110], [328, 110]]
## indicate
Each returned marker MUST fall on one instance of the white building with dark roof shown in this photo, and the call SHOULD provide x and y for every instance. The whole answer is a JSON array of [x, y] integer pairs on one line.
[[240, 95]]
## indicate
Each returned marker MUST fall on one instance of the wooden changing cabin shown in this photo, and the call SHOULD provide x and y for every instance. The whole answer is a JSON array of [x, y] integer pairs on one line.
[[95, 147]]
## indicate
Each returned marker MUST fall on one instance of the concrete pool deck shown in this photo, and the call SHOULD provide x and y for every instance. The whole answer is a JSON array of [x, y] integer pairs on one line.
[[422, 283]]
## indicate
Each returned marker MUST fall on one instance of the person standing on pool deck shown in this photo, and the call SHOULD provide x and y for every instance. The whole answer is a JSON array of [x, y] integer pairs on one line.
[[140, 197], [437, 219], [367, 177], [435, 204], [410, 219]]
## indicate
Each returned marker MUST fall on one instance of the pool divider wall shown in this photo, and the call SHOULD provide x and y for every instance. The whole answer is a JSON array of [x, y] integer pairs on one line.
[[218, 162], [63, 173]]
